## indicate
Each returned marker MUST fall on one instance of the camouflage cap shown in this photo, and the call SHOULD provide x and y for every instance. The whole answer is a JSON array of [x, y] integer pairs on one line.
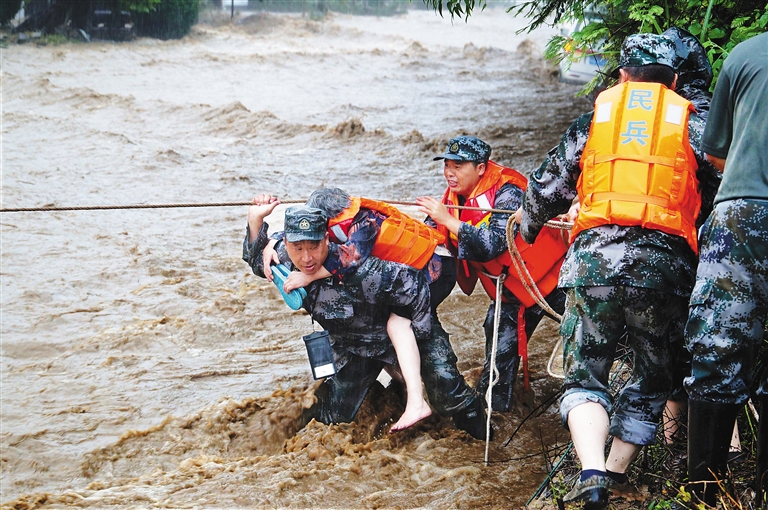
[[466, 148], [645, 49], [304, 223], [692, 63]]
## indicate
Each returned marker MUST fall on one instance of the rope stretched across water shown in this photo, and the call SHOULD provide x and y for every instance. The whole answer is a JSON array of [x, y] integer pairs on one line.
[[56, 208]]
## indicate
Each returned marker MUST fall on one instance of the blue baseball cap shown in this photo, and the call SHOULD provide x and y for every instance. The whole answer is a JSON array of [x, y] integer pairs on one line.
[[304, 223]]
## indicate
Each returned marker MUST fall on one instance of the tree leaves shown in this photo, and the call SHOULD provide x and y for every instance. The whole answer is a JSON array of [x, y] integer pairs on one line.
[[729, 22]]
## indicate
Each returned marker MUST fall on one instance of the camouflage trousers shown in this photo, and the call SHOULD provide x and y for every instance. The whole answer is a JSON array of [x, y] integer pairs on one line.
[[507, 357], [729, 303], [595, 320], [340, 396]]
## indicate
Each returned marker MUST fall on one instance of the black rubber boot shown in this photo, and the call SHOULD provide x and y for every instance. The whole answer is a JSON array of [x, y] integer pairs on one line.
[[761, 475], [710, 426], [472, 419]]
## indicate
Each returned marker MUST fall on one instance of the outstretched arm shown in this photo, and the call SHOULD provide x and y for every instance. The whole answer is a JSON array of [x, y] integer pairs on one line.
[[263, 205], [439, 214]]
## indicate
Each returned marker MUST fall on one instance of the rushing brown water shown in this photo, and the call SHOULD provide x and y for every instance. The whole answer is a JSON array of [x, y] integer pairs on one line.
[[143, 365]]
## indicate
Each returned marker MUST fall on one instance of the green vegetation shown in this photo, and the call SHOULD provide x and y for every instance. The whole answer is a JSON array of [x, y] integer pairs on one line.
[[719, 24], [166, 19]]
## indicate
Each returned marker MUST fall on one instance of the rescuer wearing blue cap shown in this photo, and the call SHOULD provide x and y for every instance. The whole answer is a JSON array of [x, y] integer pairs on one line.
[[636, 166]]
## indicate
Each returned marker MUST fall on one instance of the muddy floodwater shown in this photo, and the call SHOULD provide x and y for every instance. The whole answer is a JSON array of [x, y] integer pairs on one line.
[[143, 364]]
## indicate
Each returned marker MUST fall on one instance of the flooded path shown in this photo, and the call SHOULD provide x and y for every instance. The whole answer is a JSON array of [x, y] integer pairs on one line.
[[143, 365]]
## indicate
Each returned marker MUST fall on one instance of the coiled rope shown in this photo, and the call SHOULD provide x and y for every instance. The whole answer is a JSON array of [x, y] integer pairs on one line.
[[530, 284]]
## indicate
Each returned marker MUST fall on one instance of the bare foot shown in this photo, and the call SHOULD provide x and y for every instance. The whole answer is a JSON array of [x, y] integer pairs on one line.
[[413, 414]]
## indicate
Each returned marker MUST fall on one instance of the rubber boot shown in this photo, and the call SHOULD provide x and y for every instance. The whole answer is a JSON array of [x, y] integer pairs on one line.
[[472, 419], [761, 476], [710, 426]]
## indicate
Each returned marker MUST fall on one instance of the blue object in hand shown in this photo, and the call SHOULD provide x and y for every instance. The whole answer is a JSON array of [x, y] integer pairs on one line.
[[293, 299]]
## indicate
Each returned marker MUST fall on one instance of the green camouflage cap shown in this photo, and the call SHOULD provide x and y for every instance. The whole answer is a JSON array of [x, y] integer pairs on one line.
[[645, 49], [466, 148], [304, 223]]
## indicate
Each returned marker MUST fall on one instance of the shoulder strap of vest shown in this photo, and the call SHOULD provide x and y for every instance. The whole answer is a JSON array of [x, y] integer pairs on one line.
[[510, 175], [495, 175], [348, 213], [382, 207], [338, 226]]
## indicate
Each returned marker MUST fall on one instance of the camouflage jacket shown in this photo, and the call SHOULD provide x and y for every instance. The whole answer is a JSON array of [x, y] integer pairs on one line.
[[485, 244], [355, 313], [610, 254]]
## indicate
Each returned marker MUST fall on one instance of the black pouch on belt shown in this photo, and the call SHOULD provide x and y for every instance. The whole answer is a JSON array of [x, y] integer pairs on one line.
[[320, 354]]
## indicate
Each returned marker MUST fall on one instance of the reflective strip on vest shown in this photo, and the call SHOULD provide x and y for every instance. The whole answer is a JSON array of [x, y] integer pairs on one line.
[[542, 259], [638, 168]]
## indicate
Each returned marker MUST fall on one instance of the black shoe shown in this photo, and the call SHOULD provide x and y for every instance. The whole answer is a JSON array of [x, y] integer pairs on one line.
[[591, 493], [472, 419]]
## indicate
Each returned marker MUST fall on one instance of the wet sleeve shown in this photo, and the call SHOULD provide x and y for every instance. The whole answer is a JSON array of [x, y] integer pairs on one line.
[[487, 243], [252, 251], [552, 187], [345, 259]]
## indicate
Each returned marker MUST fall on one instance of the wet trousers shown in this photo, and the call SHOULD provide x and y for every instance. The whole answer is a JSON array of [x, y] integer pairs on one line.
[[507, 357], [594, 321], [729, 304]]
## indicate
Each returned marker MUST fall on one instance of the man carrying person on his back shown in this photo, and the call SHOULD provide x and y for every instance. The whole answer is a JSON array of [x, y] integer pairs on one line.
[[636, 166], [356, 313], [478, 241]]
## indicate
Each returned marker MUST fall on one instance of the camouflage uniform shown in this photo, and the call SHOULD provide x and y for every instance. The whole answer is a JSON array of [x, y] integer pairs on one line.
[[483, 244], [729, 303], [694, 77], [355, 314], [615, 276], [728, 306]]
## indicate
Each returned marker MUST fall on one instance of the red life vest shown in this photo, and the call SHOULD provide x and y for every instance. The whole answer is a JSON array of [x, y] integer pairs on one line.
[[401, 238], [543, 258]]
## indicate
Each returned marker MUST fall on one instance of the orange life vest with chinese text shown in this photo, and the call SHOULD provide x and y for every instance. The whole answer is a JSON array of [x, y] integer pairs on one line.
[[638, 167]]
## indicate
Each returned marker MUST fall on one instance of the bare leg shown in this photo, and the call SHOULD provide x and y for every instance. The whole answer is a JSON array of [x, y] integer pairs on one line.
[[735, 441], [588, 424], [621, 455], [416, 408]]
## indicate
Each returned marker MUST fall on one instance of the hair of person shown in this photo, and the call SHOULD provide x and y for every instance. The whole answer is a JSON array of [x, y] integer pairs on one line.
[[655, 73], [330, 200]]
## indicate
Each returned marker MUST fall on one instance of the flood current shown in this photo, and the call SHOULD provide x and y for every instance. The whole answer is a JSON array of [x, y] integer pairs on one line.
[[143, 364]]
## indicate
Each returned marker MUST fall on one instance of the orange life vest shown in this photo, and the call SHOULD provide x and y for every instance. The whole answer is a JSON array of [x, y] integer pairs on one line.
[[543, 258], [401, 238], [638, 168]]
